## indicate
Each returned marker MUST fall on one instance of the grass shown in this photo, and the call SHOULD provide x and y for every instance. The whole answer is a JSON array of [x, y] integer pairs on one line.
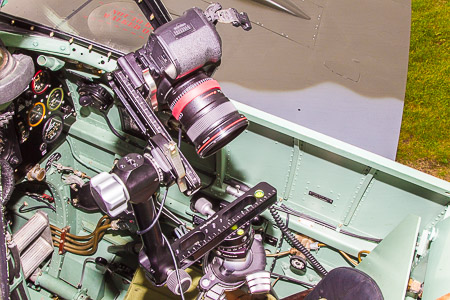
[[425, 133]]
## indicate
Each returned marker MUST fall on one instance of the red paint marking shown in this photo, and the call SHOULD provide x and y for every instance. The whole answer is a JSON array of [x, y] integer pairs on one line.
[[125, 29], [62, 240], [108, 22], [217, 134], [133, 33], [142, 37], [192, 94], [85, 17], [116, 25]]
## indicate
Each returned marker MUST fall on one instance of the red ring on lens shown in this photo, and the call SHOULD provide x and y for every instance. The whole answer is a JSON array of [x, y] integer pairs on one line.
[[192, 94], [217, 134]]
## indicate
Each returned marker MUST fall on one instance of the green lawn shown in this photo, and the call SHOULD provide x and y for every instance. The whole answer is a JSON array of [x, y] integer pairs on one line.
[[425, 133]]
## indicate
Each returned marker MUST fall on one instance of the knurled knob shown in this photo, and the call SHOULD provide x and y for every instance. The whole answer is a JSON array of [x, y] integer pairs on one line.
[[173, 284]]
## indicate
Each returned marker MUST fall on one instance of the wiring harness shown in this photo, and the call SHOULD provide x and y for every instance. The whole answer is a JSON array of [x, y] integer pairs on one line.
[[290, 238], [81, 245]]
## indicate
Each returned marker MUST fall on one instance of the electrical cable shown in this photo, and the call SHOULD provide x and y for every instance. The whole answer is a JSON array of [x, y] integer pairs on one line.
[[280, 244], [116, 133], [141, 232], [290, 238], [362, 252], [23, 210], [288, 210], [177, 271], [279, 254], [352, 261]]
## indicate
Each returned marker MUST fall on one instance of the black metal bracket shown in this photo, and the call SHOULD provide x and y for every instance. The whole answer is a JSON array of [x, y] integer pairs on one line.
[[155, 12], [208, 235]]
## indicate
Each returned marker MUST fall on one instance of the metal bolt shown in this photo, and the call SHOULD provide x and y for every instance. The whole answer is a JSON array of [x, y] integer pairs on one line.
[[205, 282]]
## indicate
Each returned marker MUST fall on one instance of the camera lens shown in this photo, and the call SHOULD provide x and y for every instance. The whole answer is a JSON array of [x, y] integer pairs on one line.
[[210, 119]]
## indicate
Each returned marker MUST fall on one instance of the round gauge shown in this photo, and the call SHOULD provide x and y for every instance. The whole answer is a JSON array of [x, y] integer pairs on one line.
[[40, 82], [55, 99], [36, 114], [52, 129]]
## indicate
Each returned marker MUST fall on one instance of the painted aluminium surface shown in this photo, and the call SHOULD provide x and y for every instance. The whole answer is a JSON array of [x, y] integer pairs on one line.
[[342, 73]]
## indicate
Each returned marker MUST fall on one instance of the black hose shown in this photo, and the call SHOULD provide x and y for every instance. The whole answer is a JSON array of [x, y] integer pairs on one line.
[[117, 134], [7, 181], [290, 238]]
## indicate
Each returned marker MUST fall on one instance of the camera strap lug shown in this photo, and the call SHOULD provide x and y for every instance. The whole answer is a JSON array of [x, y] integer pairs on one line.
[[215, 14]]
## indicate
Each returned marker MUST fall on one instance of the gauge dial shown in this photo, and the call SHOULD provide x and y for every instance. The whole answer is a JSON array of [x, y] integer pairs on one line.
[[36, 114], [40, 82], [52, 129], [55, 99]]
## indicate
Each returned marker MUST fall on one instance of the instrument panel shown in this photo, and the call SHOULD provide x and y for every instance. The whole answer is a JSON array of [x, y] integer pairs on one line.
[[43, 113]]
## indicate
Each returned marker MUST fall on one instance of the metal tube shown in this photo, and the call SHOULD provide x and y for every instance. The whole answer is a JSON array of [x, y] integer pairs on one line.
[[59, 287], [50, 62], [155, 246]]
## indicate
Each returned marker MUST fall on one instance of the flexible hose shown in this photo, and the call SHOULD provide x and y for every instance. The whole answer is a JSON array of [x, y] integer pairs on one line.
[[7, 181], [290, 238]]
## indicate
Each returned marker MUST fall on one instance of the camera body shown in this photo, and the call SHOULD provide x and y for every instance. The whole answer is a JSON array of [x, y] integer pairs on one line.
[[182, 46], [174, 69]]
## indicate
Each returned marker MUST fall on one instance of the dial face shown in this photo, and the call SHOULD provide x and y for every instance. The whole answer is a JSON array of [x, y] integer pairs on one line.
[[52, 129], [40, 82], [55, 99], [36, 114]]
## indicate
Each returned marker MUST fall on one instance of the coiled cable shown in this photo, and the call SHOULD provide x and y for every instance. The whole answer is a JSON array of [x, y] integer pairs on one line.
[[290, 238]]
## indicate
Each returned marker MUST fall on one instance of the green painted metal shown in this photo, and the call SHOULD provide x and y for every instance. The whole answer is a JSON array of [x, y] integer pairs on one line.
[[65, 290], [438, 268], [389, 264], [345, 150], [359, 193], [295, 162], [59, 47]]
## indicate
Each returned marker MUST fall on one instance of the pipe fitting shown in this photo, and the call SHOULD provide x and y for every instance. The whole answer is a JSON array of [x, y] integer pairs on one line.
[[50, 62]]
